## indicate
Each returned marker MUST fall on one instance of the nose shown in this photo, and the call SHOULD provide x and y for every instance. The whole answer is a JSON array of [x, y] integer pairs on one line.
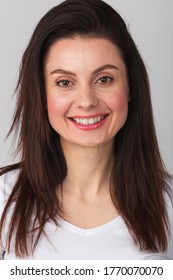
[[86, 99]]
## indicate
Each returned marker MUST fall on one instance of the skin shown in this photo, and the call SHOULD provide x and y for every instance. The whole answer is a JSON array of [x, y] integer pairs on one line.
[[86, 77]]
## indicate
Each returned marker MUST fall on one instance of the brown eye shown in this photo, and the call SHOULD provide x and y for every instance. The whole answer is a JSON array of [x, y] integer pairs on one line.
[[64, 83], [105, 80]]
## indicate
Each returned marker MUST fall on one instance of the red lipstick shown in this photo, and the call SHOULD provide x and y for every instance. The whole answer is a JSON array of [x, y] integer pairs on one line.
[[90, 122]]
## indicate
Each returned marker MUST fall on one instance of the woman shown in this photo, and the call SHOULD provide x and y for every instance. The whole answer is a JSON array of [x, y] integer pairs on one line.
[[91, 183]]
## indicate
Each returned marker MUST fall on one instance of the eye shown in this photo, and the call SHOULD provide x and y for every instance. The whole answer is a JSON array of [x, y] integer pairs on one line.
[[64, 83], [105, 80]]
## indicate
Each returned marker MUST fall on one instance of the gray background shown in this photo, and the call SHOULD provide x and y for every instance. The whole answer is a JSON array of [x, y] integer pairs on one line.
[[151, 25]]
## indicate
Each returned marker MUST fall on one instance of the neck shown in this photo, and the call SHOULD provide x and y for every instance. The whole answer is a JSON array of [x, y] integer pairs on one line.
[[88, 168]]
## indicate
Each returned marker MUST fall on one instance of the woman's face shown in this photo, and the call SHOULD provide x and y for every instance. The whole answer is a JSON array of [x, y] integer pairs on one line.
[[87, 90]]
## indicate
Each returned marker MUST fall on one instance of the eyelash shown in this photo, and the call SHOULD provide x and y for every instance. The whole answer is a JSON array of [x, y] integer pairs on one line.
[[102, 79], [64, 83]]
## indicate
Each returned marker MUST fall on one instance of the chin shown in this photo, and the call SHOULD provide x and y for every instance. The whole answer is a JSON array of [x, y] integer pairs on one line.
[[92, 144]]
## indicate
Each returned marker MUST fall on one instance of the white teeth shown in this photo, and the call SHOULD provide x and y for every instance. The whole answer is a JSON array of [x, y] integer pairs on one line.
[[91, 121], [88, 121], [85, 121]]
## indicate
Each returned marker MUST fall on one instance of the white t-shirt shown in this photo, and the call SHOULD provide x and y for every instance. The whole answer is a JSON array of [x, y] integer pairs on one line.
[[110, 241]]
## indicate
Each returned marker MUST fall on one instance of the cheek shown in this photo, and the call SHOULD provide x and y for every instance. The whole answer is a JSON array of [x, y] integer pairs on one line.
[[119, 103], [56, 107], [56, 110]]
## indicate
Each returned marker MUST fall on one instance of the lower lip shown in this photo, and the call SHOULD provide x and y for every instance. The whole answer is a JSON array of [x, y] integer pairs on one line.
[[90, 126]]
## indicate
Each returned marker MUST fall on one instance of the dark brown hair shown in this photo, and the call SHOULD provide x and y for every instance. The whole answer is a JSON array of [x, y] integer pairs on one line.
[[137, 181]]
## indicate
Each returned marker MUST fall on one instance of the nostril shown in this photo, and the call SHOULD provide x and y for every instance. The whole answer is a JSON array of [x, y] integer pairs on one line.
[[86, 100]]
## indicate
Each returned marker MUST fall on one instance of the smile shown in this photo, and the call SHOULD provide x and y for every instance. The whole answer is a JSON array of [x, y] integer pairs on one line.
[[91, 122], [88, 121]]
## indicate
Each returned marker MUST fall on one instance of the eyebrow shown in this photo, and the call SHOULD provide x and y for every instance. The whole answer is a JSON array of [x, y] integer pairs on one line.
[[105, 67], [102, 68]]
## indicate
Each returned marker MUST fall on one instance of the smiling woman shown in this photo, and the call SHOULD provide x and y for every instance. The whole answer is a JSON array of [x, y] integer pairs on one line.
[[88, 90], [91, 183]]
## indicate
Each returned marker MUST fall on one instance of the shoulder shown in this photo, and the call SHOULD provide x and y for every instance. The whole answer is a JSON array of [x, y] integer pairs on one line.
[[7, 182], [169, 193], [169, 206]]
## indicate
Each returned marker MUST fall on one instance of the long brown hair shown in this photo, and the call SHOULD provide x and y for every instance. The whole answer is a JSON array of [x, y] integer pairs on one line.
[[137, 181]]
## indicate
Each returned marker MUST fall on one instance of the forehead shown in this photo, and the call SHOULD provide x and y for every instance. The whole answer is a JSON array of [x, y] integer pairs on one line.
[[70, 51]]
